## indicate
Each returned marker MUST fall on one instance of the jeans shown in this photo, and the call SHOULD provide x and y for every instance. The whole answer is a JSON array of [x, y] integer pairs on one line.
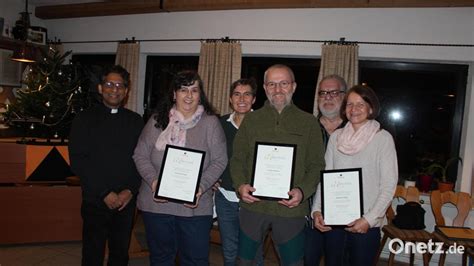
[[228, 220], [169, 234], [361, 248]]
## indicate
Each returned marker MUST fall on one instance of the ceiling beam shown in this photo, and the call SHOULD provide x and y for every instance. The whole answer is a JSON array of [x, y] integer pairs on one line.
[[124, 7], [96, 9]]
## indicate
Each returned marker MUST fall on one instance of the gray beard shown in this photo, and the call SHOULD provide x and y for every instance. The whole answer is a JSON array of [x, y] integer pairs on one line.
[[329, 114]]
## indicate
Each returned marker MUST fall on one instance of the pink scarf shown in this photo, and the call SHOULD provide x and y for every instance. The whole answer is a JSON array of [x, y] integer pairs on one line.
[[175, 132], [351, 142]]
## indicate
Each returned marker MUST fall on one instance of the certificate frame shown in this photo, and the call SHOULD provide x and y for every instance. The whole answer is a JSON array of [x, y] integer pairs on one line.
[[180, 174], [271, 190], [343, 194]]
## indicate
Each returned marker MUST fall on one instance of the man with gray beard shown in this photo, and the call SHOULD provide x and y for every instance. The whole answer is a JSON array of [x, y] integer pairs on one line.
[[330, 92]]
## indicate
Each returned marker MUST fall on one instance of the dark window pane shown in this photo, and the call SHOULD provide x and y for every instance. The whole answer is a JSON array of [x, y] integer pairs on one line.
[[422, 107], [159, 73], [422, 103], [306, 72]]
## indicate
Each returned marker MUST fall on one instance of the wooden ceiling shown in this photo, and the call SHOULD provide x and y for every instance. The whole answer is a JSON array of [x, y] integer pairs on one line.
[[124, 7]]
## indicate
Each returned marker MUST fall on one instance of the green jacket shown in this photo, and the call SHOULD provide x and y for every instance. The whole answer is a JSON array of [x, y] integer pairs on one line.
[[291, 126]]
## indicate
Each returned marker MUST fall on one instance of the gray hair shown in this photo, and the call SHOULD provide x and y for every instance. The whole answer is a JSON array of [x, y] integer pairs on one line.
[[281, 66], [342, 82]]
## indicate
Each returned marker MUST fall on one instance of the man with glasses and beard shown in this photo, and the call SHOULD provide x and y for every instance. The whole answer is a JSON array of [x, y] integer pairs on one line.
[[278, 121], [330, 92]]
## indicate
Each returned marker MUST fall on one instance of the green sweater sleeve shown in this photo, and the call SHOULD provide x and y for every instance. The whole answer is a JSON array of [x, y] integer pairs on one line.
[[314, 162], [239, 170]]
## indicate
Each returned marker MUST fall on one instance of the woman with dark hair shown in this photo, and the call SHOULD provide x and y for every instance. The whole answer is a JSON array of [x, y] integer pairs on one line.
[[185, 118], [361, 143]]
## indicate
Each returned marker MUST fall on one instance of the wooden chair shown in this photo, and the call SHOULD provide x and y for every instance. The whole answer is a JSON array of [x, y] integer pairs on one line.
[[462, 201], [410, 194]]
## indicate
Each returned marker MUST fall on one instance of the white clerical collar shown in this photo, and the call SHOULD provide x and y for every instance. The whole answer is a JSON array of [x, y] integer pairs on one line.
[[114, 110]]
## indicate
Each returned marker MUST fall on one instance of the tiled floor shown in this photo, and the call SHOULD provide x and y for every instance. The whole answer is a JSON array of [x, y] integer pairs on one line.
[[69, 254]]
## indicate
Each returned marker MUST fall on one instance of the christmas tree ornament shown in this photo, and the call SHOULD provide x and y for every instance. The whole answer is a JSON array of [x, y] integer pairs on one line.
[[50, 96]]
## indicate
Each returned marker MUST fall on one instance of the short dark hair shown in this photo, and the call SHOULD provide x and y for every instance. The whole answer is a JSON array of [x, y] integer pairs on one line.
[[182, 78], [244, 82], [368, 95], [120, 70]]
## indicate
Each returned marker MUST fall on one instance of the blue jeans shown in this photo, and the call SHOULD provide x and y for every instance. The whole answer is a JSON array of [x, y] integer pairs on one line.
[[228, 220], [361, 248], [169, 234], [229, 227]]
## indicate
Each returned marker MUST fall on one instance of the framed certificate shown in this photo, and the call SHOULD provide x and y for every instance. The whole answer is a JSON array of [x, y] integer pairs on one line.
[[273, 170], [341, 196], [180, 174]]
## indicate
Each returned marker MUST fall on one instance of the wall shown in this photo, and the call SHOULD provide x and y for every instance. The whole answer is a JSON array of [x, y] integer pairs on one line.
[[10, 11], [418, 25]]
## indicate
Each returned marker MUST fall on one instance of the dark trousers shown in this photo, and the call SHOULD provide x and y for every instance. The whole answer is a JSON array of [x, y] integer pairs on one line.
[[287, 236], [168, 235], [361, 249], [100, 225], [313, 245]]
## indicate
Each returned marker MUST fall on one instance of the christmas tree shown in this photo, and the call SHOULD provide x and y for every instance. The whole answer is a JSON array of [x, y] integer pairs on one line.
[[52, 94]]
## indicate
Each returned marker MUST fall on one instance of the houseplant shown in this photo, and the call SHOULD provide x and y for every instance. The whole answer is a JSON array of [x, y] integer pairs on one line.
[[441, 173]]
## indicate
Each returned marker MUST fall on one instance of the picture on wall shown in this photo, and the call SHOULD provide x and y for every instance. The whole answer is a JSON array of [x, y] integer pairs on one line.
[[38, 37]]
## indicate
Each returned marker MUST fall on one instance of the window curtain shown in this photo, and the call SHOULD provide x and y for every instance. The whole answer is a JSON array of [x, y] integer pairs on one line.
[[340, 59], [220, 64], [56, 47], [128, 54]]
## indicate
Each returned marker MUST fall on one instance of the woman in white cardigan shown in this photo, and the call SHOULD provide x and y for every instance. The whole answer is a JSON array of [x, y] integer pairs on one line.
[[361, 143]]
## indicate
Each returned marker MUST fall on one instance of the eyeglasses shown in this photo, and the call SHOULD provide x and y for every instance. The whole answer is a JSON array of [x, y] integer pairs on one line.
[[282, 84], [333, 94], [111, 85]]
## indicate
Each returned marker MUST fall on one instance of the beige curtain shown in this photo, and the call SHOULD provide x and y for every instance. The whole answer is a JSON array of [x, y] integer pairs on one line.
[[128, 55], [220, 64], [53, 47], [340, 59]]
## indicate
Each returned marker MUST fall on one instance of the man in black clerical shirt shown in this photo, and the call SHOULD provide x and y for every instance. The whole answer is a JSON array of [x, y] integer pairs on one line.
[[101, 145]]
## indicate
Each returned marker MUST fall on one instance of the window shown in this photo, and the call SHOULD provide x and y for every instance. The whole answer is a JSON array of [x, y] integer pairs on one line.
[[159, 73], [422, 107], [306, 72], [422, 103], [93, 66]]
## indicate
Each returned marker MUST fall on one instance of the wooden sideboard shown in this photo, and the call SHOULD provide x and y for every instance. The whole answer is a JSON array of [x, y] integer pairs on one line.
[[35, 211], [39, 213]]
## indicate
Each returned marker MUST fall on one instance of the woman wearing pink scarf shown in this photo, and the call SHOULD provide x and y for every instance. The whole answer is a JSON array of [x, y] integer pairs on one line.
[[184, 118], [361, 143]]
